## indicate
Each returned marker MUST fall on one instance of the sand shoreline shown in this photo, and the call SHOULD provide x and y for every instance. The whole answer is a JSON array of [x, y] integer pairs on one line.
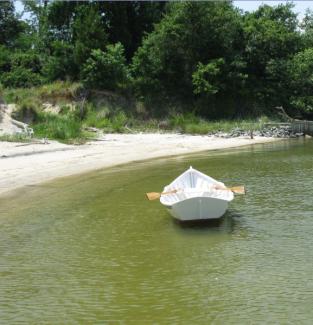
[[29, 164]]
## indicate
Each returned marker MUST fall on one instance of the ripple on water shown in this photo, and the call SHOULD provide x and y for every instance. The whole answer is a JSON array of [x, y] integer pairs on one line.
[[91, 249]]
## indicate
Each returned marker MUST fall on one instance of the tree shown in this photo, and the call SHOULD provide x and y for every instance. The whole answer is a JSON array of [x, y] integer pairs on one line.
[[60, 64], [40, 34], [124, 22], [128, 21], [301, 83], [307, 28], [88, 32], [271, 39], [60, 18], [190, 39], [10, 26]]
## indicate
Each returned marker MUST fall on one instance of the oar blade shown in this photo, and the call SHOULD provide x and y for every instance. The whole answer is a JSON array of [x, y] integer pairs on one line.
[[153, 196], [238, 189]]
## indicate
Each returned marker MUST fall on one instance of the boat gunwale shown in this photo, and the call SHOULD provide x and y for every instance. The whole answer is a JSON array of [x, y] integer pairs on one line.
[[192, 198], [209, 179]]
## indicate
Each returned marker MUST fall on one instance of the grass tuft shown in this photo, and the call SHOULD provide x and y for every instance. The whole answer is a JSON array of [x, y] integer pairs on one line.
[[100, 119], [60, 127], [18, 137]]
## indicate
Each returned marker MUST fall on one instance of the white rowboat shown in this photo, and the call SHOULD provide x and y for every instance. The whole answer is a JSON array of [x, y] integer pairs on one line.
[[196, 197]]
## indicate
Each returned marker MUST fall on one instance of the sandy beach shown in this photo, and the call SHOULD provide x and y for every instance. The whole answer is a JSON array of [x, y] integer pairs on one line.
[[23, 164]]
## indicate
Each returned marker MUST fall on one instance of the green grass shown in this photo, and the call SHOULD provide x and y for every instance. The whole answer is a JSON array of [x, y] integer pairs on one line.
[[57, 92], [69, 124], [96, 119], [64, 128], [99, 119], [15, 138], [189, 123]]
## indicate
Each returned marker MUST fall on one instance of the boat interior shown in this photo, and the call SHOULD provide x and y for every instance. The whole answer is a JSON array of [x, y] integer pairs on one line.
[[193, 184]]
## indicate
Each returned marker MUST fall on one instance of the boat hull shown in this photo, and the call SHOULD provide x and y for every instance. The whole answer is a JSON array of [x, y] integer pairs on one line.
[[198, 208]]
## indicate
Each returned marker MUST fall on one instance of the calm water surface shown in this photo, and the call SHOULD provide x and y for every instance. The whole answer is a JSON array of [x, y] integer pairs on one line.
[[92, 249]]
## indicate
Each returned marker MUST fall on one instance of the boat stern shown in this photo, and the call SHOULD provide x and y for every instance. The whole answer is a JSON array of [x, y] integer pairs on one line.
[[198, 208]]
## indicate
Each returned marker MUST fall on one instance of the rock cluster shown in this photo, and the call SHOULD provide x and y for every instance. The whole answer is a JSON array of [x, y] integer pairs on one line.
[[274, 132]]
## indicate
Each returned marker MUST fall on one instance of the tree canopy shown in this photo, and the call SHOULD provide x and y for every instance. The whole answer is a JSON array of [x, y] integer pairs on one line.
[[206, 57]]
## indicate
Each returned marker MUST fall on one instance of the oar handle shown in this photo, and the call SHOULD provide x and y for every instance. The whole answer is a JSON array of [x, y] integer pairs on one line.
[[169, 192], [220, 187], [156, 195], [234, 189]]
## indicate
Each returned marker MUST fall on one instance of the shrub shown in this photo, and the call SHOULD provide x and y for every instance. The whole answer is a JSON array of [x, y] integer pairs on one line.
[[60, 65], [20, 77], [23, 70], [106, 70], [28, 60], [5, 59]]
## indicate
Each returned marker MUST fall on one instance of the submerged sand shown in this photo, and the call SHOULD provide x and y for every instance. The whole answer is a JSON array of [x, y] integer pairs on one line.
[[29, 164]]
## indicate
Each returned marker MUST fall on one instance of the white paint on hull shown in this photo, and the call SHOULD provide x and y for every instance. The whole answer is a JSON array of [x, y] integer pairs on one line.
[[198, 208], [197, 197]]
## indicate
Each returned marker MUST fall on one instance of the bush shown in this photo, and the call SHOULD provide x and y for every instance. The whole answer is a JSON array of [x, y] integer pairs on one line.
[[23, 70], [106, 70], [205, 78], [20, 77], [28, 60], [5, 59], [60, 65]]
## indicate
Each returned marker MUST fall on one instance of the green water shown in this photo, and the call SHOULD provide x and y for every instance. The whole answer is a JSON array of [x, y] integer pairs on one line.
[[92, 249]]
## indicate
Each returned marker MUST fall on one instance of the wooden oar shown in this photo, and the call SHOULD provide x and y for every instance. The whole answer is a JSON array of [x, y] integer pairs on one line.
[[235, 189], [156, 195]]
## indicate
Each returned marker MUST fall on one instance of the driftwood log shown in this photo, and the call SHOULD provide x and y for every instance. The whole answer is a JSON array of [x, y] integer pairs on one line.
[[284, 115]]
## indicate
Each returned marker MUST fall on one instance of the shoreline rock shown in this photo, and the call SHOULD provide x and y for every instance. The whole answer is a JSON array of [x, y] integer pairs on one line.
[[273, 132]]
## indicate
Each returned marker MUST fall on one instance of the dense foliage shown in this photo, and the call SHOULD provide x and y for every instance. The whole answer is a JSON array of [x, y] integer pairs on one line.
[[209, 58]]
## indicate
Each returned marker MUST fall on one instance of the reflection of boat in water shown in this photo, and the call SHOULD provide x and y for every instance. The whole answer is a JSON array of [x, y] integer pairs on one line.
[[196, 196]]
